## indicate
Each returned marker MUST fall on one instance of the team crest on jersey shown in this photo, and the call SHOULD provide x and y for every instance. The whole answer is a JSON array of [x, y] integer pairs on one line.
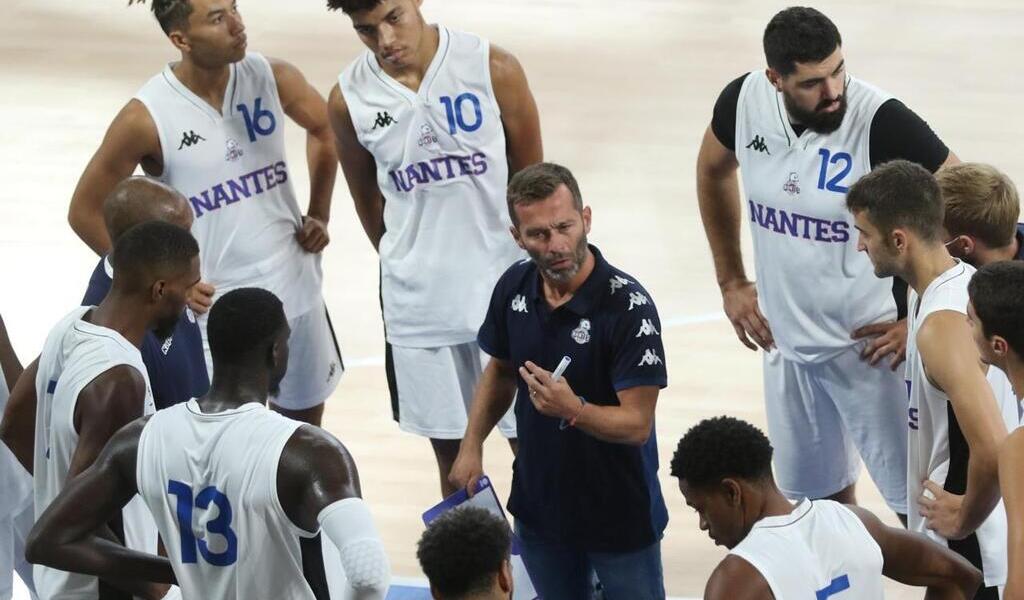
[[792, 185], [581, 335], [191, 315], [428, 139], [234, 151]]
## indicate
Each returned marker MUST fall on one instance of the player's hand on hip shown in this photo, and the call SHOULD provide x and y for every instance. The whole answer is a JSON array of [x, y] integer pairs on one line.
[[313, 236], [550, 398], [740, 302], [885, 339], [200, 297], [467, 469], [941, 511]]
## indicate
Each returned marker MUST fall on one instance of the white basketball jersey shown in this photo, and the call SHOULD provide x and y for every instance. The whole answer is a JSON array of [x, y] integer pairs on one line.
[[1009, 404], [230, 164], [211, 482], [75, 353], [443, 172], [812, 284], [819, 550], [936, 448]]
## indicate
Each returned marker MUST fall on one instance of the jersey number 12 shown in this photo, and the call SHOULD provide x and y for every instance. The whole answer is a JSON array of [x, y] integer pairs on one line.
[[190, 546]]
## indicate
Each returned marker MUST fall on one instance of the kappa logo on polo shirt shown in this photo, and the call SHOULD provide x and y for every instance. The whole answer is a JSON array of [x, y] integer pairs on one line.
[[519, 304], [637, 299], [647, 328], [167, 345], [650, 358], [617, 282]]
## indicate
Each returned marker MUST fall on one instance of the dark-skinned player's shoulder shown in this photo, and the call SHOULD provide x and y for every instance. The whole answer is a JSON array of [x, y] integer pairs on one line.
[[737, 579]]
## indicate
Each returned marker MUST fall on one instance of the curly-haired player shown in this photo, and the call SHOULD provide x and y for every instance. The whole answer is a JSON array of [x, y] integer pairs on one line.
[[465, 554], [812, 548]]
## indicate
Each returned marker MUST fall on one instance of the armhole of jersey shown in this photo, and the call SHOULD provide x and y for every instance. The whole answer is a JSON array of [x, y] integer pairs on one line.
[[94, 372], [277, 450], [744, 89], [269, 74], [140, 453], [488, 76], [350, 84], [164, 153], [772, 585]]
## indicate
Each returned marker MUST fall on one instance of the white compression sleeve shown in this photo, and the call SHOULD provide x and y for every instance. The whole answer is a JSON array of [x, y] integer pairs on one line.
[[349, 525]]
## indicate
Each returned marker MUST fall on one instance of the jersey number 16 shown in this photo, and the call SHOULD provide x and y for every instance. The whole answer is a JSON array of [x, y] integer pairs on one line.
[[220, 526]]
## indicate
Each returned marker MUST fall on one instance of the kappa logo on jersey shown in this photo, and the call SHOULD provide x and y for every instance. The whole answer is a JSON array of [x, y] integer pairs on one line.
[[647, 328], [167, 345], [792, 185], [519, 304], [234, 151], [254, 182], [581, 335], [332, 371], [797, 225], [383, 120], [189, 139], [758, 144], [616, 283], [438, 169], [649, 359], [637, 299]]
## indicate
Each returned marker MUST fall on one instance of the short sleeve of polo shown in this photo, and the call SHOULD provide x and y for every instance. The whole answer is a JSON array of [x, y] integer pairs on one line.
[[493, 335], [638, 354]]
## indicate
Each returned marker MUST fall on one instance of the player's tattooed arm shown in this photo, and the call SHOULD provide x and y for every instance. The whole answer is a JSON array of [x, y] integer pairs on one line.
[[304, 105], [952, 363], [359, 168], [63, 537], [519, 114], [131, 140], [18, 426], [913, 559]]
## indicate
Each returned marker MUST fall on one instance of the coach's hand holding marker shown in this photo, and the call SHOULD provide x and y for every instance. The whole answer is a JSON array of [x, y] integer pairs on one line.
[[550, 394], [200, 297]]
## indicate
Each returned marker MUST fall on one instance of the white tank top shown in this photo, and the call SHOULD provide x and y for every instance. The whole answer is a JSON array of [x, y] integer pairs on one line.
[[231, 166], [443, 172], [75, 353], [210, 481], [1009, 404], [813, 285], [936, 448], [819, 550]]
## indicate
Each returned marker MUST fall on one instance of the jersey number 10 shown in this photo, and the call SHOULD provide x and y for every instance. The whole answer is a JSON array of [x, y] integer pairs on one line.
[[453, 109], [190, 546]]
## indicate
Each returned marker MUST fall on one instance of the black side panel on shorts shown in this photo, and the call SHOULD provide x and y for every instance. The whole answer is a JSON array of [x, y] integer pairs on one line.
[[389, 370], [956, 483], [334, 338], [313, 566], [107, 591]]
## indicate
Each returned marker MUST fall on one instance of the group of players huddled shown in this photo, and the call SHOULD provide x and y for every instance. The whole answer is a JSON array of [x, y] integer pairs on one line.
[[166, 441]]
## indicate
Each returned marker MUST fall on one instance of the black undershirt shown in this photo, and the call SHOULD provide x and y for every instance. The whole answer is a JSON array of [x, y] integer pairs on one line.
[[896, 132]]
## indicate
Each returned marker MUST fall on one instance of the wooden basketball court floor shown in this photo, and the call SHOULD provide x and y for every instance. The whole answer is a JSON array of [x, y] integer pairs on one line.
[[625, 91]]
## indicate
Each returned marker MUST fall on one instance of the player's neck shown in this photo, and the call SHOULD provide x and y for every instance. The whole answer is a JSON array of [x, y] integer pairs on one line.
[[208, 84], [775, 504], [122, 314], [983, 256], [1015, 373], [557, 293], [411, 74], [233, 387], [933, 261]]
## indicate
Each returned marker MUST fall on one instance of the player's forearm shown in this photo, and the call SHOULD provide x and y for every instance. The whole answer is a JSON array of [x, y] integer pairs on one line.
[[494, 396], [9, 362], [323, 171], [370, 210], [718, 197], [982, 492], [98, 557], [88, 226]]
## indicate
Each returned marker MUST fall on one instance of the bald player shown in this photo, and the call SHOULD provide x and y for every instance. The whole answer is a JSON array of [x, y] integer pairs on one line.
[[810, 549], [90, 381], [211, 125], [239, 517], [801, 132], [176, 365]]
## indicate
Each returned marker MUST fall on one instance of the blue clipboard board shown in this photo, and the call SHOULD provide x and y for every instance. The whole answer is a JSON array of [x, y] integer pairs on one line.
[[485, 497]]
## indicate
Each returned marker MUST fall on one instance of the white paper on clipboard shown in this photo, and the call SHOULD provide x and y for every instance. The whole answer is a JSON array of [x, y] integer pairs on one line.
[[485, 497]]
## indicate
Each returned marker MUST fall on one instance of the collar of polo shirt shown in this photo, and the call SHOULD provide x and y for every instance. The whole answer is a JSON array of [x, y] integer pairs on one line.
[[584, 297]]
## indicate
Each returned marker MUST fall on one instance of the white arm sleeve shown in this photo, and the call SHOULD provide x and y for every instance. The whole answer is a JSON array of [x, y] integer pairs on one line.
[[349, 525]]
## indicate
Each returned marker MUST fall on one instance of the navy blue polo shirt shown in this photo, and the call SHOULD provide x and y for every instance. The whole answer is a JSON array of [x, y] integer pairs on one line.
[[1020, 242], [567, 485], [176, 366]]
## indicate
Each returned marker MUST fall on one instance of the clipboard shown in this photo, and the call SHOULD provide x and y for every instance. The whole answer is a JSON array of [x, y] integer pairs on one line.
[[485, 497]]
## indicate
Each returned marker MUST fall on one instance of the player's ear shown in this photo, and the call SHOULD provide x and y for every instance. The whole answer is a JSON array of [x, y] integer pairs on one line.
[[733, 491], [516, 236], [774, 77], [999, 346], [969, 244], [180, 40], [158, 290], [505, 576], [899, 239]]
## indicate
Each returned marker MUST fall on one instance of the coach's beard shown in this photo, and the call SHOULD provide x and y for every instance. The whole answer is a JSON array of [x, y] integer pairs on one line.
[[565, 274]]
